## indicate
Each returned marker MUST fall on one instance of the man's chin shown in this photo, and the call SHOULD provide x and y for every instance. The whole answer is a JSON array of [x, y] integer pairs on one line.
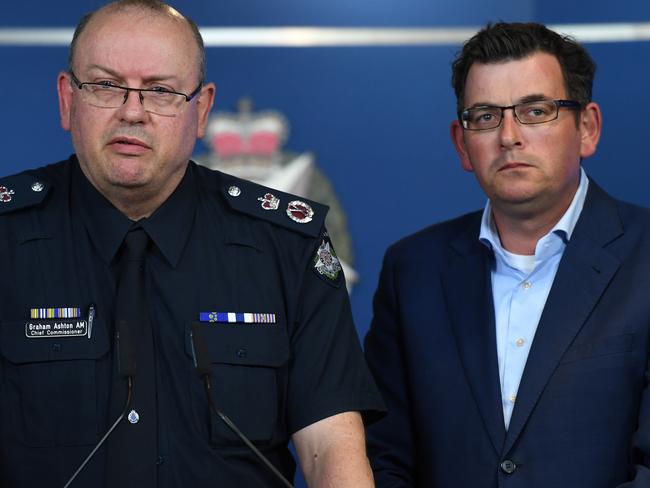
[[130, 182], [519, 200]]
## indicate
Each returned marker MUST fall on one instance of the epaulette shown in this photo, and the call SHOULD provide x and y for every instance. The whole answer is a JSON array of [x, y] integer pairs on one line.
[[21, 190], [295, 213]]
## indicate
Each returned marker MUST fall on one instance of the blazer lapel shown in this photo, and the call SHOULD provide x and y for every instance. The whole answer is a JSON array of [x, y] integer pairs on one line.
[[585, 270], [468, 294]]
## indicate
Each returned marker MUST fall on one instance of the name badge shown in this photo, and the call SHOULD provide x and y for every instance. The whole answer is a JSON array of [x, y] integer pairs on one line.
[[56, 328]]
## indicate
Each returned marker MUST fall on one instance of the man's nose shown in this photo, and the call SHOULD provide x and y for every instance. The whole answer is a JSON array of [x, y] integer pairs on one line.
[[132, 109], [510, 131]]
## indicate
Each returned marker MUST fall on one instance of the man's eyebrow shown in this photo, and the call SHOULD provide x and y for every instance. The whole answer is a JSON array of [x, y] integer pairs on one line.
[[534, 97], [148, 79]]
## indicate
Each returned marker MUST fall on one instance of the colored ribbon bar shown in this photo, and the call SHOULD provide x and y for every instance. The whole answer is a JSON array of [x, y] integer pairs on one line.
[[237, 317], [55, 313]]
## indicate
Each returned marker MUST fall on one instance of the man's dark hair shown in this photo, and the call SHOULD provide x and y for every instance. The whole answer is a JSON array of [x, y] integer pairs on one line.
[[155, 6], [513, 41]]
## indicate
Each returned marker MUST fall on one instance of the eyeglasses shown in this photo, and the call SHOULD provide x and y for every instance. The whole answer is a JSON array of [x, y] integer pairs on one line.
[[536, 112], [159, 100]]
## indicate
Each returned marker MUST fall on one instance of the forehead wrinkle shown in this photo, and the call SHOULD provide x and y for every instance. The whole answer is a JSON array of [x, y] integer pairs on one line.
[[534, 97], [116, 74], [515, 81], [117, 58]]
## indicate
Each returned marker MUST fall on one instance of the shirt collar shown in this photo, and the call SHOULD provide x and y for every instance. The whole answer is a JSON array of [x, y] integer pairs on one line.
[[563, 228], [168, 227]]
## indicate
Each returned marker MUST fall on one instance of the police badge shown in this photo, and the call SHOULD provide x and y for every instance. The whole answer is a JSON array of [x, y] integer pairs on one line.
[[326, 264]]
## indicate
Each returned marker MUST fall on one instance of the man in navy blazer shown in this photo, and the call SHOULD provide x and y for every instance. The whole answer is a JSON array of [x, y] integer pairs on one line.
[[511, 344]]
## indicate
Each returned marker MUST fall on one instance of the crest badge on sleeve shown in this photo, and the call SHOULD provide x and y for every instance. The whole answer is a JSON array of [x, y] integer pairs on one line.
[[326, 263]]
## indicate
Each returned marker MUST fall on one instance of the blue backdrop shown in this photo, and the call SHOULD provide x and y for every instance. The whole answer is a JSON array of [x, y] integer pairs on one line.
[[376, 118]]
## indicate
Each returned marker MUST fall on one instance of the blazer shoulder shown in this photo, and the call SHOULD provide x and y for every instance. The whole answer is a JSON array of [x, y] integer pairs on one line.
[[286, 210], [437, 237], [605, 218]]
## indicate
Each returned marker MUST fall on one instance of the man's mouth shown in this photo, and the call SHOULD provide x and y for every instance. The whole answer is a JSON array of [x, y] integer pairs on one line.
[[513, 165], [129, 145], [131, 141]]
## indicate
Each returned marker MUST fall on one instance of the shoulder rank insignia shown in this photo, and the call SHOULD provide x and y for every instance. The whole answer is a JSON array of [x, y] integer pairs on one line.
[[300, 211], [5, 194], [21, 191], [302, 215], [326, 264]]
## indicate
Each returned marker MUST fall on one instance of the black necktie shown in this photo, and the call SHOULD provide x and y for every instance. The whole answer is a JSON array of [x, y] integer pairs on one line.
[[132, 447]]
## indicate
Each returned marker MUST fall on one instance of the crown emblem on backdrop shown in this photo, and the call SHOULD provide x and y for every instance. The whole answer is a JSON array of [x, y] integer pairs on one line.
[[246, 133], [249, 145]]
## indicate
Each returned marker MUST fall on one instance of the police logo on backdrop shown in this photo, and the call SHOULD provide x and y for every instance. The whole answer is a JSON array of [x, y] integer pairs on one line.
[[248, 145]]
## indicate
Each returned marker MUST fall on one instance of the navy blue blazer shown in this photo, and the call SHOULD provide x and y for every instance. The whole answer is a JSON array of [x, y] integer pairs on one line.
[[582, 417]]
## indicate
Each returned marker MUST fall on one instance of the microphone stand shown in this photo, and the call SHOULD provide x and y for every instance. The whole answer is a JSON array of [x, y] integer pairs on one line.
[[103, 439], [126, 366]]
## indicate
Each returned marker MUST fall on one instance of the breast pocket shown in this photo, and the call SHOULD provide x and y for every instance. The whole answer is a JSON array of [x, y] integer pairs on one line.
[[604, 346], [49, 385], [249, 368]]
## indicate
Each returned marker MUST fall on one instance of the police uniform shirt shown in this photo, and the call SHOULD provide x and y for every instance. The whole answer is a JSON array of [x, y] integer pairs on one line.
[[212, 251]]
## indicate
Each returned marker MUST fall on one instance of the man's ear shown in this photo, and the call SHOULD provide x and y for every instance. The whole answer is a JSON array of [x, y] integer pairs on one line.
[[590, 128], [458, 138], [204, 105], [64, 89]]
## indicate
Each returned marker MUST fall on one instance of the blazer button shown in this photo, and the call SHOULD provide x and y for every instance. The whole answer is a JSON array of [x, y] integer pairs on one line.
[[508, 466]]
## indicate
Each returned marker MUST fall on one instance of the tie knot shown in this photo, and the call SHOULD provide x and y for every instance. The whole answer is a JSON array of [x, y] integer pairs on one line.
[[135, 244]]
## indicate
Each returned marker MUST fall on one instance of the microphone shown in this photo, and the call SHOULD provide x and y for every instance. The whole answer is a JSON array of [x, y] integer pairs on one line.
[[126, 367], [203, 367]]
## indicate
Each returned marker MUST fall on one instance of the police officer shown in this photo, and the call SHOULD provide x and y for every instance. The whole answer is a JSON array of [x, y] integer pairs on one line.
[[249, 269]]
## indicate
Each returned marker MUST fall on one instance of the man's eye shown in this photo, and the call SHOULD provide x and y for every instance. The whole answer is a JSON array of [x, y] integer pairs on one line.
[[161, 89], [482, 117], [106, 83], [538, 110]]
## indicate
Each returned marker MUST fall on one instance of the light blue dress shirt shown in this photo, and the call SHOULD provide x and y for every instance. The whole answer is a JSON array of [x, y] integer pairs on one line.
[[520, 286]]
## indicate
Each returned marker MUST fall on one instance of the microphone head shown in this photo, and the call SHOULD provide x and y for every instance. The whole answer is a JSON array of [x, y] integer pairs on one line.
[[200, 351], [126, 364]]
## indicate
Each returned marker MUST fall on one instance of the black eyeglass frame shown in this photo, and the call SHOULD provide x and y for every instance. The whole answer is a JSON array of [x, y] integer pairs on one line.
[[127, 89], [571, 104]]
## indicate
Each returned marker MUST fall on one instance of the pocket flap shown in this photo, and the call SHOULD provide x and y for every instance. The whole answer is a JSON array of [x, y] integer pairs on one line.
[[244, 344], [604, 346], [18, 348]]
